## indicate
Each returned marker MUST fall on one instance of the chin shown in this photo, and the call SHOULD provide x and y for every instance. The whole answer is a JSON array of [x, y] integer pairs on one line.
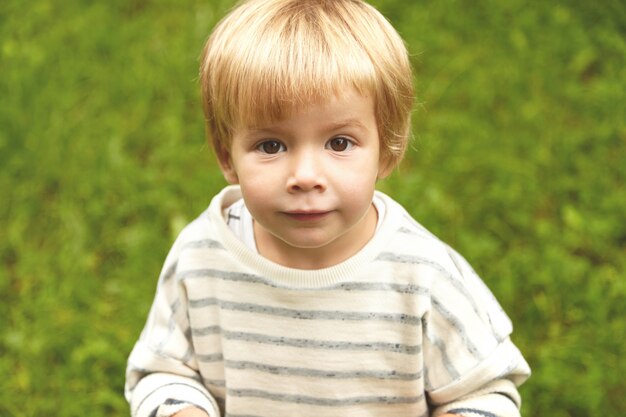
[[310, 244]]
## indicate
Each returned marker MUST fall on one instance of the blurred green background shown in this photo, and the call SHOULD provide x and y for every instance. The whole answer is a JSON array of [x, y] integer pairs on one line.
[[518, 161]]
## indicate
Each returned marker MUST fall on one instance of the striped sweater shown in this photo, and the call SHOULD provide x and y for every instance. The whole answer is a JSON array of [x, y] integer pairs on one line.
[[403, 328]]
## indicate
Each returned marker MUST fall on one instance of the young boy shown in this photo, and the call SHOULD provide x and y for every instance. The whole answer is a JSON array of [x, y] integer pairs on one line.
[[302, 291]]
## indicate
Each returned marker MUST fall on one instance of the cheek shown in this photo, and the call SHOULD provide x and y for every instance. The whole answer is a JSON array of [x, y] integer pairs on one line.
[[365, 174], [253, 199], [257, 178], [358, 187], [258, 187]]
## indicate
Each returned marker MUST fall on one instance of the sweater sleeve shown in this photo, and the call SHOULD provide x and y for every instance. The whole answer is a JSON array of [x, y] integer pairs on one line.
[[162, 370], [472, 366]]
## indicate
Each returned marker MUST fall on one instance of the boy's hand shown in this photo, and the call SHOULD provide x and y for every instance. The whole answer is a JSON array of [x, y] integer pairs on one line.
[[197, 412], [191, 412]]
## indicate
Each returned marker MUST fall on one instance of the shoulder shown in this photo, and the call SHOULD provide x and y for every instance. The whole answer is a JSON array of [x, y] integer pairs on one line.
[[210, 224], [450, 278], [414, 252], [410, 242], [205, 234]]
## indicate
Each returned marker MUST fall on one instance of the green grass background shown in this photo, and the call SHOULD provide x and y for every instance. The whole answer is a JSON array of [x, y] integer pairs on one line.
[[518, 161]]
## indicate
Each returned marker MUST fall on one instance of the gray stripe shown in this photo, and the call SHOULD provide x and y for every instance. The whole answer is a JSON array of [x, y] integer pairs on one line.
[[224, 275], [171, 326], [322, 344], [205, 331], [466, 411], [203, 244], [459, 327], [427, 385], [168, 273], [308, 343], [210, 357], [221, 403], [425, 414], [305, 314], [419, 228], [241, 415], [383, 286], [215, 382], [423, 233], [190, 387], [318, 373], [175, 306], [255, 279], [447, 363], [325, 402], [197, 244], [416, 260]]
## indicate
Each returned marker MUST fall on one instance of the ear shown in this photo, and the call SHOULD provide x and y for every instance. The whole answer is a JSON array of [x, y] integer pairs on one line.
[[226, 165]]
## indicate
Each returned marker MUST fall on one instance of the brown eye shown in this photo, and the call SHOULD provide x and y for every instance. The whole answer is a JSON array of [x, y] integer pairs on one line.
[[340, 144], [271, 147]]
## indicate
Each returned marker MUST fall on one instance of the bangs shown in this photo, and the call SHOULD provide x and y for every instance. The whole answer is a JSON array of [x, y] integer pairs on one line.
[[272, 67], [303, 67]]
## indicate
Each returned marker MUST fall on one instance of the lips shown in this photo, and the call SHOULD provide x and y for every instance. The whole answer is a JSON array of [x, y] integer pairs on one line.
[[307, 215]]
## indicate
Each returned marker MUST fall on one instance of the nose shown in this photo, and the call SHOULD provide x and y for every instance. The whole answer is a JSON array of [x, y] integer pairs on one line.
[[307, 174]]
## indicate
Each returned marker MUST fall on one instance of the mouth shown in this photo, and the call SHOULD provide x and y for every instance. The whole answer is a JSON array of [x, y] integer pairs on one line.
[[307, 215]]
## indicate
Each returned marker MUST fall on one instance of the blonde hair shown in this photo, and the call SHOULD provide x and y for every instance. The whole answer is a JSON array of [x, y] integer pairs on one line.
[[267, 58]]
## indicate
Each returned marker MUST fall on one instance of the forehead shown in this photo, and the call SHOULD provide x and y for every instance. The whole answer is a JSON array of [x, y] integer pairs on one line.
[[346, 109]]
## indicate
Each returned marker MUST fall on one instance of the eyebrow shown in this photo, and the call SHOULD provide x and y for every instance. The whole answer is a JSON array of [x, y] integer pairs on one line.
[[346, 123], [330, 127]]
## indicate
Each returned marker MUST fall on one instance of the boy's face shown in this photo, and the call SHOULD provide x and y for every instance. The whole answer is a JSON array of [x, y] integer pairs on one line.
[[308, 181]]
